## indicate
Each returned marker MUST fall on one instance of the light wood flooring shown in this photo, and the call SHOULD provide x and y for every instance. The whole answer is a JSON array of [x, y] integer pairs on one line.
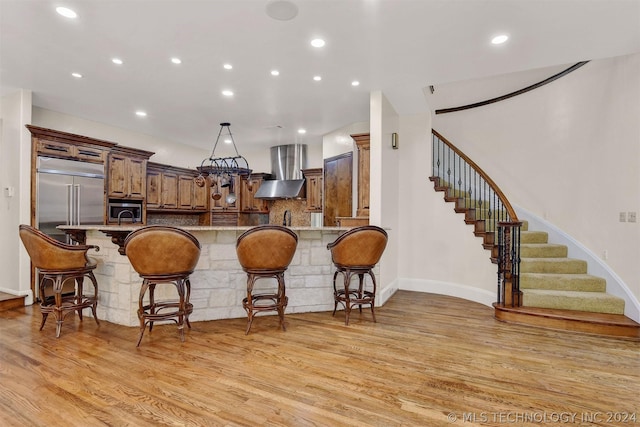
[[429, 361]]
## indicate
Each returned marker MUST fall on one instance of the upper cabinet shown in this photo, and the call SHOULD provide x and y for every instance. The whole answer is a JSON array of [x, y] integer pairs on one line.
[[173, 188], [53, 143], [314, 182], [363, 143], [127, 173], [248, 187], [162, 188]]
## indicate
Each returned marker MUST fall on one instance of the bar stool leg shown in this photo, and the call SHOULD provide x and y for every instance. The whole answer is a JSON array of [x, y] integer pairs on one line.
[[347, 296], [373, 295], [248, 306], [95, 296], [282, 300]]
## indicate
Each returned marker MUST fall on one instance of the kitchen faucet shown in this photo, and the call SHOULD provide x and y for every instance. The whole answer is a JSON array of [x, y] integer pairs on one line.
[[284, 220], [133, 218]]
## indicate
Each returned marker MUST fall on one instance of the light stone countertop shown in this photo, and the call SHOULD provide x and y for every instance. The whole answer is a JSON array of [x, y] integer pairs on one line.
[[132, 227]]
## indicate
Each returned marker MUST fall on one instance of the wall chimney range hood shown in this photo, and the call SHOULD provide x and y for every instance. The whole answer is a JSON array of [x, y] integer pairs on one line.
[[287, 162]]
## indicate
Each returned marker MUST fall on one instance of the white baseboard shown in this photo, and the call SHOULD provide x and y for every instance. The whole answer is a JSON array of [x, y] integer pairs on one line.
[[450, 289]]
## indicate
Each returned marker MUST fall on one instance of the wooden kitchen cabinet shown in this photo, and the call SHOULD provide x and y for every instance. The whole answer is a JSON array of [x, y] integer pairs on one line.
[[173, 188], [127, 173], [190, 196], [162, 189], [248, 187], [314, 182], [53, 143], [363, 144], [200, 196]]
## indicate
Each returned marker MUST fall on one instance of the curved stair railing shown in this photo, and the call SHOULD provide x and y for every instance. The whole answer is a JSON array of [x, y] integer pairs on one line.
[[512, 94], [486, 207]]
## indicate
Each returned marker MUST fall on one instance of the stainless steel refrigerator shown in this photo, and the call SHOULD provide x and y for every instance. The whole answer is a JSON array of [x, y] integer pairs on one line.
[[68, 193]]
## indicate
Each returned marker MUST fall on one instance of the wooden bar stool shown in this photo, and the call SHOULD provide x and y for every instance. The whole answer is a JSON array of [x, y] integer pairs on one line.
[[57, 263], [163, 254], [356, 252], [265, 252]]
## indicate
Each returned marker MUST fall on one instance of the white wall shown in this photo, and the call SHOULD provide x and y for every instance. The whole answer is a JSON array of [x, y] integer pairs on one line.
[[384, 198], [437, 251], [568, 152], [15, 174]]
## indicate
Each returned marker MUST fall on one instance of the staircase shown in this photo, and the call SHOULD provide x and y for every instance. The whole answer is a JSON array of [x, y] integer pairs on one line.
[[548, 279], [557, 292], [549, 289]]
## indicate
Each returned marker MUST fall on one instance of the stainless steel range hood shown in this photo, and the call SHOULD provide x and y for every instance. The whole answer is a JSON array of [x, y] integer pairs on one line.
[[287, 162]]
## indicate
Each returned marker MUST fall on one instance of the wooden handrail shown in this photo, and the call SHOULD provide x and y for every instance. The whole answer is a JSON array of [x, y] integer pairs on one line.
[[512, 94], [510, 211]]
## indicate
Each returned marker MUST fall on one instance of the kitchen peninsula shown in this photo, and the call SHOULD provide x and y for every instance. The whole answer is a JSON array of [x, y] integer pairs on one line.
[[218, 284]]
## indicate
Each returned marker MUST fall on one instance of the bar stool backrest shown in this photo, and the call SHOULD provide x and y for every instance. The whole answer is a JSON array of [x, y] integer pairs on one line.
[[266, 247], [157, 250], [49, 254], [359, 247]]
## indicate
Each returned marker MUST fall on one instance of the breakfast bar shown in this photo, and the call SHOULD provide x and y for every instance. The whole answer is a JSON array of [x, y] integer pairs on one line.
[[218, 284]]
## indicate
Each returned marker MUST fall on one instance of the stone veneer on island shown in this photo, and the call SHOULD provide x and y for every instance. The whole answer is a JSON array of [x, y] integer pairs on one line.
[[218, 284]]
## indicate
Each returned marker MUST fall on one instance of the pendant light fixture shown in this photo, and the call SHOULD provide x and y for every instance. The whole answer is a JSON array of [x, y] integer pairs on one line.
[[220, 171]]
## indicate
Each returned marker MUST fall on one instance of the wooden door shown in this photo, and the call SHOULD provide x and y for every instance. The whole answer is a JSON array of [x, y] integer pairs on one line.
[[338, 177]]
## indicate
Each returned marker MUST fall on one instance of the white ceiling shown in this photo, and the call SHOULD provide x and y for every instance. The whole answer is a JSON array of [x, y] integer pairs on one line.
[[396, 46]]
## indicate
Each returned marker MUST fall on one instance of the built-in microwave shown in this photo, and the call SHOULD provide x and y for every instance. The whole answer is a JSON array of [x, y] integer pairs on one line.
[[128, 212]]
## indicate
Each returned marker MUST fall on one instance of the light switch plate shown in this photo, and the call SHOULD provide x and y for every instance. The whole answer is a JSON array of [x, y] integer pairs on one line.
[[631, 216], [623, 217]]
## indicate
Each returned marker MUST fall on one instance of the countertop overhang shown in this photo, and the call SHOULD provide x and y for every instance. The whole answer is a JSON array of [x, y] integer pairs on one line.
[[119, 233]]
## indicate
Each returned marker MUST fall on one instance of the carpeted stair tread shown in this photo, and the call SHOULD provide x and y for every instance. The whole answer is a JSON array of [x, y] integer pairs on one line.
[[542, 250], [563, 282], [553, 265], [597, 302]]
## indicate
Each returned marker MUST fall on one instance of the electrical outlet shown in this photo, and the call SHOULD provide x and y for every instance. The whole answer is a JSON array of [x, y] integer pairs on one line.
[[631, 216], [623, 217], [605, 255]]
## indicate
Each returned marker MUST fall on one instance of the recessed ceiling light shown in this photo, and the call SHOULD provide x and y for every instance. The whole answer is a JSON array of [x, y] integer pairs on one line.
[[228, 141], [275, 72], [227, 93], [117, 61], [302, 131], [66, 12], [500, 39], [141, 113], [227, 66], [317, 78], [176, 60], [355, 83], [77, 75], [317, 43]]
